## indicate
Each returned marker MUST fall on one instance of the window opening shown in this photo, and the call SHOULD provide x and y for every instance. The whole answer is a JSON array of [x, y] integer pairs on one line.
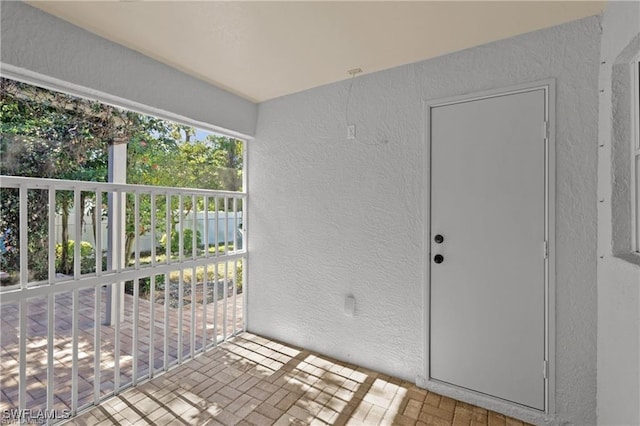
[[131, 278]]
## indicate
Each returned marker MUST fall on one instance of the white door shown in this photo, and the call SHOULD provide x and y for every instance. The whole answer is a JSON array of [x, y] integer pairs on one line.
[[487, 287]]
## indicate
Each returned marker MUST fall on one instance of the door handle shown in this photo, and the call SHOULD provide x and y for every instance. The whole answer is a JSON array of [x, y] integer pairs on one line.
[[438, 239], [438, 258]]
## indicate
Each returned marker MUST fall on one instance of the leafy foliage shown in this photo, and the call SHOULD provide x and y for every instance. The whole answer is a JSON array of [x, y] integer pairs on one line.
[[53, 135], [87, 257], [187, 242]]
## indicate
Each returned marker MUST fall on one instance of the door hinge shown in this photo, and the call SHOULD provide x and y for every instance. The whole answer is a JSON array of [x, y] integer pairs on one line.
[[545, 249], [545, 130], [545, 369]]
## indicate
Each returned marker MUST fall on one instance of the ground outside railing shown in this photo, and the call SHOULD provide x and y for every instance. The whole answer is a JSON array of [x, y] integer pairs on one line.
[[70, 340]]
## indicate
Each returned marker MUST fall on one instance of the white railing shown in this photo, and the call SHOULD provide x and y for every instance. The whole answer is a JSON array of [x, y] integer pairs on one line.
[[77, 329]]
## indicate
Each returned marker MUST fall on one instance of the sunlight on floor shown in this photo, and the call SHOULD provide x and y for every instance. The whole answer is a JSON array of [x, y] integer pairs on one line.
[[255, 381]]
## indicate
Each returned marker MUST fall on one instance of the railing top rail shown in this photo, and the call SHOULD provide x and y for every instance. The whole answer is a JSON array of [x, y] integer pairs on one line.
[[61, 184]]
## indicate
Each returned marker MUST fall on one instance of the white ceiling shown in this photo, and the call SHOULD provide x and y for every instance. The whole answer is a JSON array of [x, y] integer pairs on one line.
[[262, 50]]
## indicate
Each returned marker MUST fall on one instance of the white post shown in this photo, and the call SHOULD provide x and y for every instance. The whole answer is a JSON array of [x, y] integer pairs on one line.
[[115, 260]]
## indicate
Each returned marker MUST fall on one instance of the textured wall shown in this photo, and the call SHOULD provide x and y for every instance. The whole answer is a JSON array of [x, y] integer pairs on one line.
[[618, 280], [319, 202], [41, 43]]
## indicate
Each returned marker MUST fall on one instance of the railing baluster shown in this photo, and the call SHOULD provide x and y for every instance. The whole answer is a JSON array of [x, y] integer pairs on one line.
[[206, 226], [51, 297], [166, 321], [225, 294], [181, 225], [118, 212], [98, 246], [96, 343], [24, 246], [205, 295], [50, 348], [167, 226], [216, 226], [136, 226], [52, 235], [152, 322], [77, 234], [180, 312], [153, 229], [194, 227], [244, 293], [215, 304], [116, 345], [235, 295], [98, 301], [235, 224], [194, 277], [22, 364], [74, 343], [135, 326], [226, 225]]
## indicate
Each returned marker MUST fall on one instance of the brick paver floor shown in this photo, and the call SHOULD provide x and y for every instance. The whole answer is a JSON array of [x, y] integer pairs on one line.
[[37, 346], [251, 380]]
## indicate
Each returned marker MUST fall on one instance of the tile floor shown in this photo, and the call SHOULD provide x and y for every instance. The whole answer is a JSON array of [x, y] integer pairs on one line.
[[251, 380]]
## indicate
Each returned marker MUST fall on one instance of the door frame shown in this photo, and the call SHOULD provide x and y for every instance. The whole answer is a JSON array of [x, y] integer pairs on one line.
[[473, 397]]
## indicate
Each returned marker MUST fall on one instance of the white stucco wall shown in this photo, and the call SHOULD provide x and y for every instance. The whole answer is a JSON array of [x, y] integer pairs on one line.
[[307, 254], [37, 42], [618, 280]]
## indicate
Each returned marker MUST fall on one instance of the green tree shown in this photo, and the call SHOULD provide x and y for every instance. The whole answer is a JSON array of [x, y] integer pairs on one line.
[[53, 135], [171, 155], [228, 161]]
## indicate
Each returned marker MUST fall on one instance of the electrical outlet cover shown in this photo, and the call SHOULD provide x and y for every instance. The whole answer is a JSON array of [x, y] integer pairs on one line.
[[349, 306], [351, 131]]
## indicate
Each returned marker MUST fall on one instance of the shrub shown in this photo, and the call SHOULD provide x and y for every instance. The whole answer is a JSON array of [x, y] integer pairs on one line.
[[187, 242], [87, 257], [144, 286], [239, 278]]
